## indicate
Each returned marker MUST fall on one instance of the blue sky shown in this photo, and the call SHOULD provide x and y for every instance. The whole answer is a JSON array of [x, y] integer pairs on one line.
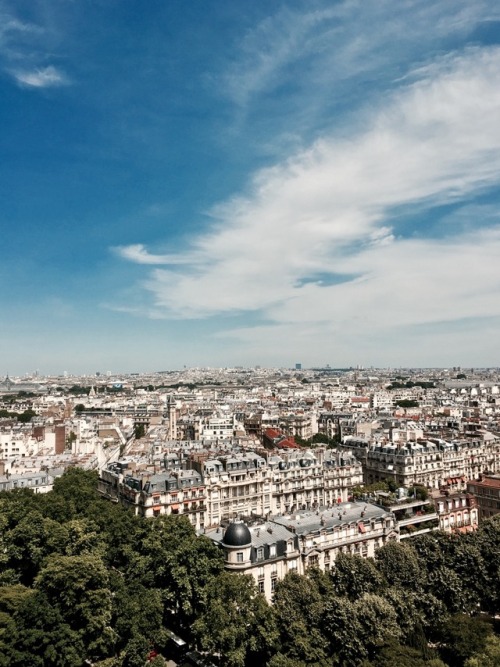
[[239, 183]]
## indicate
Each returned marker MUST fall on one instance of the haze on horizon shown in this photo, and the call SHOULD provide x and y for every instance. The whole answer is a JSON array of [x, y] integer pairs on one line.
[[220, 184]]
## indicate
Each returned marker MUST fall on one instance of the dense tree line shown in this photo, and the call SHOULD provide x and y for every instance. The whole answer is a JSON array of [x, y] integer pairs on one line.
[[23, 417], [83, 580], [410, 384]]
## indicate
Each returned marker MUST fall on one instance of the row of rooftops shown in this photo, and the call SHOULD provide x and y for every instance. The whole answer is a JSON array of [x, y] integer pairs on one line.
[[413, 448], [326, 520], [174, 477]]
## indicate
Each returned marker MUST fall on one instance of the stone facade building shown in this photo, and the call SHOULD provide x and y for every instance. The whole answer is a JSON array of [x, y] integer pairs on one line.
[[433, 463], [296, 542], [487, 493], [214, 490]]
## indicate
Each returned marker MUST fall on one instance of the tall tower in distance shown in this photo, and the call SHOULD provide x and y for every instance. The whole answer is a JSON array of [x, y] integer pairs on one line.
[[298, 367], [172, 418]]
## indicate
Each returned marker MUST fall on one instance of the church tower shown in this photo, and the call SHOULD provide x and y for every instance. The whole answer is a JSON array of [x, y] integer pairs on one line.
[[172, 418]]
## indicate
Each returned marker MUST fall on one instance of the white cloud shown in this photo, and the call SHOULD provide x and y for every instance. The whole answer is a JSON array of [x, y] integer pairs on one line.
[[329, 211], [334, 43], [25, 45], [45, 77], [138, 253]]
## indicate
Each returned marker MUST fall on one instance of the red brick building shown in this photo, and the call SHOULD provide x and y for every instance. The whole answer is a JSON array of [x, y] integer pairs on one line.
[[487, 492]]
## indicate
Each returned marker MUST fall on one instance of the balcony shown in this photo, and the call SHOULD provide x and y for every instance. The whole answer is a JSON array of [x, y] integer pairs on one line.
[[418, 518], [193, 510], [339, 541], [415, 533]]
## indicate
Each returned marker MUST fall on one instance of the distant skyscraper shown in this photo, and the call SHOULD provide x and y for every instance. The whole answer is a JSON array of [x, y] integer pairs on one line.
[[298, 367]]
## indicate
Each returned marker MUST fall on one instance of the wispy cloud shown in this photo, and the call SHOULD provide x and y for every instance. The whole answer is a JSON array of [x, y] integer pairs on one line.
[[138, 253], [331, 45], [45, 77], [25, 47], [329, 210], [434, 142]]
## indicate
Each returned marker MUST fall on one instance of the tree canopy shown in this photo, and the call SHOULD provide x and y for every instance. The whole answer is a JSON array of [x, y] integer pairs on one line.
[[83, 580]]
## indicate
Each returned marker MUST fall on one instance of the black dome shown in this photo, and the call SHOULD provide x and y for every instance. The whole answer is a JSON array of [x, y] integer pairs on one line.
[[237, 535]]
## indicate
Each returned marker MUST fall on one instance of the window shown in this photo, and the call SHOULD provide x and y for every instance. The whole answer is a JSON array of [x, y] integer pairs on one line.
[[273, 584], [272, 551], [261, 579], [239, 557], [260, 553]]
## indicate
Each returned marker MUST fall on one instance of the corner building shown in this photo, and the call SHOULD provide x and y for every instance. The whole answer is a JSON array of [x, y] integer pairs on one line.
[[294, 543]]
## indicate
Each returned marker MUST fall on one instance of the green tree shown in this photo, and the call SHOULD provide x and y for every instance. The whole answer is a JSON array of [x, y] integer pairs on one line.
[[139, 431], [84, 537], [456, 569], [11, 598], [377, 622], [71, 438], [237, 623], [394, 654], [399, 564], [280, 660], [489, 656], [136, 652], [421, 492], [446, 584], [42, 638], [30, 542], [78, 588], [407, 403], [340, 624], [122, 531], [462, 637], [78, 488], [137, 612], [298, 604], [487, 540], [353, 576], [26, 416], [179, 563], [411, 613]]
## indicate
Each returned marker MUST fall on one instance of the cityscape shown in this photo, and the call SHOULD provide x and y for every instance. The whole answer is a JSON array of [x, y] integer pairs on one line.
[[249, 365], [300, 464]]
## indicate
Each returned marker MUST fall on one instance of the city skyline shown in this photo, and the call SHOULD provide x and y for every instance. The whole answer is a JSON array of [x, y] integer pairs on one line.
[[194, 184]]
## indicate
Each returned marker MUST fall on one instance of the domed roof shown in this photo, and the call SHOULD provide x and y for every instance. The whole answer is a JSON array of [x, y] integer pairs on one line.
[[237, 535]]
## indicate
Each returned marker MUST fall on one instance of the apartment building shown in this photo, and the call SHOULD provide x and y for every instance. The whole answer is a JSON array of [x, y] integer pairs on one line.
[[487, 493], [37, 481], [267, 552], [234, 484], [296, 542], [458, 512], [152, 494], [433, 462]]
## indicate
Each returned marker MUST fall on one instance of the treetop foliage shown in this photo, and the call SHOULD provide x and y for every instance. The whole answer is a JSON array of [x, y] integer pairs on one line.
[[83, 580]]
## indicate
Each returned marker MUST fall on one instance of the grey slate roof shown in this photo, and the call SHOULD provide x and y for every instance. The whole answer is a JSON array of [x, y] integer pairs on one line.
[[260, 534], [344, 513]]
